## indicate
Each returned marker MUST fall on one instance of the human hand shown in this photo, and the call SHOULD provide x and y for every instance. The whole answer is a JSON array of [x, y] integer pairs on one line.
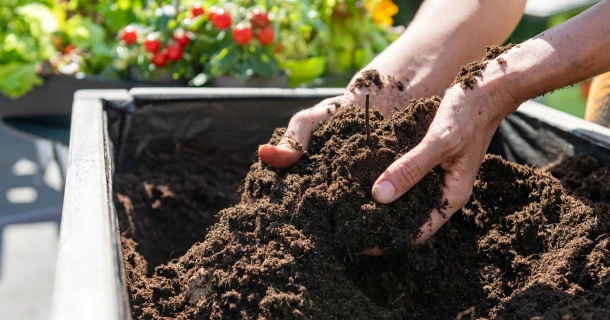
[[457, 140], [391, 94]]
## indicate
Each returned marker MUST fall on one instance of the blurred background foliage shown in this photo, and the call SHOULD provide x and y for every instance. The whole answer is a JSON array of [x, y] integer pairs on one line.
[[190, 42]]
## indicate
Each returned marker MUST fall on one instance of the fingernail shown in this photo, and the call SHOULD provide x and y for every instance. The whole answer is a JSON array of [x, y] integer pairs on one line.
[[384, 192]]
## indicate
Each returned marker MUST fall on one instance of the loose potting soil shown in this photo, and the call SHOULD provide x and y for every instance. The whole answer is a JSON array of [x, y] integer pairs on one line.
[[522, 247], [172, 195]]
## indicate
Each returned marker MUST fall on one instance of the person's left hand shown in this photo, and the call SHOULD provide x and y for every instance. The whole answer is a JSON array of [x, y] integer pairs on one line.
[[457, 140]]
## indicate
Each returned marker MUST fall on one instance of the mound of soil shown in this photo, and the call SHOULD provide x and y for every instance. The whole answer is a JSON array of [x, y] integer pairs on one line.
[[522, 247], [333, 179]]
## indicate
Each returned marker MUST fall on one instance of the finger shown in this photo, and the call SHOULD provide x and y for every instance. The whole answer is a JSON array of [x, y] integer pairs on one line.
[[405, 172], [457, 189], [296, 139]]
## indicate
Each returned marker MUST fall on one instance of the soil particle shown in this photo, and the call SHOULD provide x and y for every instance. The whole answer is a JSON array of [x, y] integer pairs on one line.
[[368, 78], [495, 51], [398, 84], [522, 247], [372, 77], [467, 77]]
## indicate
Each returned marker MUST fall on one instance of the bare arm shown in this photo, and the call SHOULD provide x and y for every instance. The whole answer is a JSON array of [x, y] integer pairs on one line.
[[467, 119], [444, 35], [573, 51]]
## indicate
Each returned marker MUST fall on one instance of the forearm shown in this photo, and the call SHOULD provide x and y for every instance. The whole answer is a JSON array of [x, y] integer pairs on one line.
[[573, 51], [444, 36]]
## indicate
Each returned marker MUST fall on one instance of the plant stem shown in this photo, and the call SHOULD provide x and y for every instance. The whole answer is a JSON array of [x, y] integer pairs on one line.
[[368, 127]]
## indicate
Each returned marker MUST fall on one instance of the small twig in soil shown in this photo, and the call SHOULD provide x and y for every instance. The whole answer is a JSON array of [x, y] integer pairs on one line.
[[398, 299], [368, 128], [350, 256]]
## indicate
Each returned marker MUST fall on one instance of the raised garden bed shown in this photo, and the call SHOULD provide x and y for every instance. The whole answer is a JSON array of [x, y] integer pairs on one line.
[[176, 157]]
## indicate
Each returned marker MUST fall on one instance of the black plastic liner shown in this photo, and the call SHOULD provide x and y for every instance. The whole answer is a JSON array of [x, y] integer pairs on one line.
[[240, 123]]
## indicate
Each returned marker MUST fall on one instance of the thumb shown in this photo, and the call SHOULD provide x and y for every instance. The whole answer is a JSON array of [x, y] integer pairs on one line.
[[405, 172], [296, 139]]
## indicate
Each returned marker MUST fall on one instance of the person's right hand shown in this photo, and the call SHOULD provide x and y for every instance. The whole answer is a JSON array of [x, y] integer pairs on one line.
[[296, 139]]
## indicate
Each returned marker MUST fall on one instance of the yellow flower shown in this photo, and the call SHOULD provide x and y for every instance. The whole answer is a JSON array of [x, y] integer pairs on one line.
[[383, 11]]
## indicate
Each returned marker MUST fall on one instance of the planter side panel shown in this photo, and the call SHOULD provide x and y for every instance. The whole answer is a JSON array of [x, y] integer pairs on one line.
[[85, 280]]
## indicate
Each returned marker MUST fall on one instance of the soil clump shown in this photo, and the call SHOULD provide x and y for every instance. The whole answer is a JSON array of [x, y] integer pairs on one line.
[[467, 77]]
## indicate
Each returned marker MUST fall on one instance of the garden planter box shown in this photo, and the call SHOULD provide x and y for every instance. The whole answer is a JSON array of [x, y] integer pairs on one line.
[[89, 278]]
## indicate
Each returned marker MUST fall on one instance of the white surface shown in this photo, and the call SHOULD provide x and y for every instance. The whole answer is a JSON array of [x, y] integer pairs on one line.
[[27, 267], [86, 276], [547, 8]]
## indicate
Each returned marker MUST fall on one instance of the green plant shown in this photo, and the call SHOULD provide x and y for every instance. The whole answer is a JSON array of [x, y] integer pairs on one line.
[[199, 42], [303, 32], [359, 31], [24, 43]]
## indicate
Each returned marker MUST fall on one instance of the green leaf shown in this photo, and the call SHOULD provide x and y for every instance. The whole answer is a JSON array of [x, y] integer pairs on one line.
[[263, 64], [225, 60], [16, 79], [45, 17], [83, 32], [244, 70], [198, 23], [15, 48], [116, 19]]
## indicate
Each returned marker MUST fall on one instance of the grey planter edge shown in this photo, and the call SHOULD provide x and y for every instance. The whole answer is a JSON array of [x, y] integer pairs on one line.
[[88, 275], [86, 279], [586, 130]]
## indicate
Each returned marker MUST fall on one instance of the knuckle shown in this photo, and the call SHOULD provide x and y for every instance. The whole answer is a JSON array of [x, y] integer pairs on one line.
[[407, 173]]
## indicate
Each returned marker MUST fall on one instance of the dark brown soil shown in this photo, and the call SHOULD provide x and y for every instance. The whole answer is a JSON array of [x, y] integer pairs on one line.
[[369, 78], [583, 176], [168, 201], [522, 247], [372, 77], [335, 176], [467, 77]]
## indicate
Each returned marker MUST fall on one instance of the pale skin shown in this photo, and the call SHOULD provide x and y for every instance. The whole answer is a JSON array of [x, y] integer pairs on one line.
[[445, 35]]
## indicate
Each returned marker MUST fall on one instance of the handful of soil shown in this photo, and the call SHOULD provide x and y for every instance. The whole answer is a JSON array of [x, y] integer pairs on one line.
[[331, 185], [521, 247]]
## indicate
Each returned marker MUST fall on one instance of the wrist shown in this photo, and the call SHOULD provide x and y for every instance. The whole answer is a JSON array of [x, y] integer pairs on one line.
[[504, 81]]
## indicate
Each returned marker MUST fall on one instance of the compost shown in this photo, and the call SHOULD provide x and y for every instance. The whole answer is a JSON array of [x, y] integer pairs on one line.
[[523, 246]]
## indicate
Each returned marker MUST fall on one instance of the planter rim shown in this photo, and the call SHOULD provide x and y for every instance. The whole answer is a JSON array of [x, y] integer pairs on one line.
[[172, 94]]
